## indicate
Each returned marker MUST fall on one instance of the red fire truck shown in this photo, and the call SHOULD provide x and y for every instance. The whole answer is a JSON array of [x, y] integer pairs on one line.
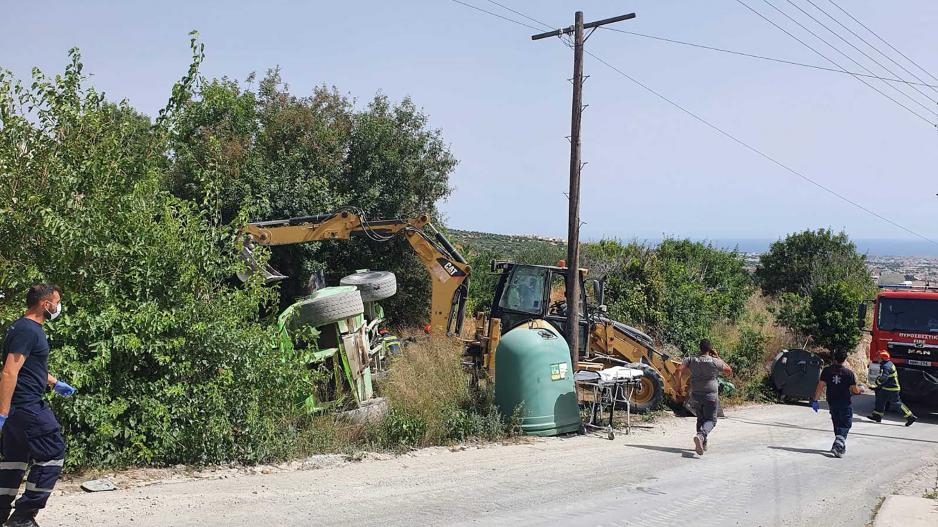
[[905, 323]]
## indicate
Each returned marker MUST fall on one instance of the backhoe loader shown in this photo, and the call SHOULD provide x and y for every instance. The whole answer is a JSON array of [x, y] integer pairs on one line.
[[527, 293]]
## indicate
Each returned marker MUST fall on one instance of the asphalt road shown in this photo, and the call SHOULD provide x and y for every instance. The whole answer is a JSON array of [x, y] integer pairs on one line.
[[767, 466]]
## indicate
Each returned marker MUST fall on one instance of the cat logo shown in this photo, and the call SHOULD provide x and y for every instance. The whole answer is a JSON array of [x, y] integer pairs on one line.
[[450, 269]]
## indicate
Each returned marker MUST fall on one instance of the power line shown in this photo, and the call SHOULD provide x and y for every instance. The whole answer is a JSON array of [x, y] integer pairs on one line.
[[519, 13], [497, 15], [761, 153], [848, 57], [865, 54], [844, 11], [832, 61], [743, 143], [763, 57], [740, 53], [852, 32]]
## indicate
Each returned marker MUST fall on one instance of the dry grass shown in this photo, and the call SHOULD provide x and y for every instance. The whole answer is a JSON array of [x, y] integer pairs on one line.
[[425, 379], [758, 315], [859, 359]]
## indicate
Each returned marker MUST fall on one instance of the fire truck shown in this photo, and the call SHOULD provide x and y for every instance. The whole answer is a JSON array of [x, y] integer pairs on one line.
[[905, 323]]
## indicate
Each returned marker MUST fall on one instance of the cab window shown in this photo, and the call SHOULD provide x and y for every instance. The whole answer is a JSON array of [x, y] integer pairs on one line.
[[525, 290]]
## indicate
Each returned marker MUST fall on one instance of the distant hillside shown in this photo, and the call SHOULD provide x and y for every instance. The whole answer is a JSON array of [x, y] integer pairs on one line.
[[507, 244]]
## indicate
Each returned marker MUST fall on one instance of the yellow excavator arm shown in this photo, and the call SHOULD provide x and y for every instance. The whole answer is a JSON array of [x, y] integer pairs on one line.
[[449, 272]]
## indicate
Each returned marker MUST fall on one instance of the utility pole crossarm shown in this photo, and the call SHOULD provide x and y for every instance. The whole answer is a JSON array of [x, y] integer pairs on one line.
[[588, 25], [574, 294]]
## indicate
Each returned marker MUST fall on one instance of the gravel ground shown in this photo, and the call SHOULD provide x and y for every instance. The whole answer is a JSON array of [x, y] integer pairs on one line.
[[767, 466]]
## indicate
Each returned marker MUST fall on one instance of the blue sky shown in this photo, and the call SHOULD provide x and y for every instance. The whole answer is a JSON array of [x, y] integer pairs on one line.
[[503, 103]]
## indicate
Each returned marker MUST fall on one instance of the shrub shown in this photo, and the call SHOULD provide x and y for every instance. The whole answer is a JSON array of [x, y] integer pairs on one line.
[[677, 291], [829, 315], [805, 260], [431, 400], [169, 361]]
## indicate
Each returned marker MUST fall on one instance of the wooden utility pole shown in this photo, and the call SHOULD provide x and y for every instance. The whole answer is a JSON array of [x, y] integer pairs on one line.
[[573, 227]]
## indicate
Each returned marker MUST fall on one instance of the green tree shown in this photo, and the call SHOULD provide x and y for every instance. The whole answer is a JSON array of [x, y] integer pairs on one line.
[[170, 363], [676, 291], [635, 285], [805, 260], [829, 315], [274, 154]]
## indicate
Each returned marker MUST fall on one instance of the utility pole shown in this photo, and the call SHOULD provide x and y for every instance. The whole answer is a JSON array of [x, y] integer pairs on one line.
[[573, 228]]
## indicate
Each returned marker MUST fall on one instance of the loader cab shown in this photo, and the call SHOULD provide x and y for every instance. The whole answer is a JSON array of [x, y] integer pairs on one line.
[[531, 292]]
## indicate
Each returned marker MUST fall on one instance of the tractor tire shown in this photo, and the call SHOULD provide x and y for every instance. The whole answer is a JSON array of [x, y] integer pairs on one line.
[[373, 285], [650, 394], [328, 309]]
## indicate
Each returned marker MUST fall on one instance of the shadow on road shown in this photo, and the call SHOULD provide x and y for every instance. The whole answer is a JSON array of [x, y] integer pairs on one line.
[[863, 406], [828, 430], [825, 453], [683, 451]]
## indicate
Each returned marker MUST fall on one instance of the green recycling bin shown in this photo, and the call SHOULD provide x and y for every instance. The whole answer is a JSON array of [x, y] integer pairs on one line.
[[533, 375]]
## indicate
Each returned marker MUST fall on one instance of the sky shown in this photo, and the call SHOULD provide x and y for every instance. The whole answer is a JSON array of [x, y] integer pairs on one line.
[[502, 102]]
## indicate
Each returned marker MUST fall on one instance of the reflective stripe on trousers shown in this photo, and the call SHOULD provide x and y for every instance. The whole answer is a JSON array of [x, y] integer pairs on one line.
[[30, 435]]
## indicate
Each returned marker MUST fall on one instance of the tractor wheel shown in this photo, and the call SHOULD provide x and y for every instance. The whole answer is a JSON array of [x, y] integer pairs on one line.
[[650, 392], [327, 309], [373, 285]]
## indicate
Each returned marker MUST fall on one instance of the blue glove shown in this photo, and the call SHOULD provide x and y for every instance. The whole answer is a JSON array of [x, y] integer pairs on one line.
[[3, 420], [815, 406], [63, 389]]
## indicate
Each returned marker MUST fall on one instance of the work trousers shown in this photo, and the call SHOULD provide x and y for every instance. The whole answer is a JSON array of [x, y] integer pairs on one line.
[[842, 418], [31, 435], [707, 404], [887, 398]]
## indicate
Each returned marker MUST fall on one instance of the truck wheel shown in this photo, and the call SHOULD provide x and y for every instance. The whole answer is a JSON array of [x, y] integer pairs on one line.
[[650, 392], [327, 309], [373, 285]]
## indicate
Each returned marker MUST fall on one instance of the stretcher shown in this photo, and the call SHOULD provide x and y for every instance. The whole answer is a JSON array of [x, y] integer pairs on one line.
[[603, 392]]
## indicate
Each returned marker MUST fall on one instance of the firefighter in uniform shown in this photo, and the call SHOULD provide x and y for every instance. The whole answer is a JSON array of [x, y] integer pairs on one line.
[[887, 391]]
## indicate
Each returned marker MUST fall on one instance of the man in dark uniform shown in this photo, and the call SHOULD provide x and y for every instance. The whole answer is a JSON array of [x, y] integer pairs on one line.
[[704, 370], [841, 385], [887, 391], [29, 429]]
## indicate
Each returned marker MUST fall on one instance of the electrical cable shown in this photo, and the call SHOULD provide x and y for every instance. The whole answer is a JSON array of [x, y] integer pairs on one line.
[[763, 57], [865, 54], [844, 11], [750, 147], [519, 13], [825, 57], [852, 32], [761, 153], [496, 15]]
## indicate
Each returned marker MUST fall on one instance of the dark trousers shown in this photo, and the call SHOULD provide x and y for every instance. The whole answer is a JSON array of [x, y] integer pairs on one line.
[[842, 418], [707, 404], [887, 398], [31, 435]]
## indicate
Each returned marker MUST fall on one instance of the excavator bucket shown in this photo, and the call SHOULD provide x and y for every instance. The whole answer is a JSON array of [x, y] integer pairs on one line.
[[269, 273]]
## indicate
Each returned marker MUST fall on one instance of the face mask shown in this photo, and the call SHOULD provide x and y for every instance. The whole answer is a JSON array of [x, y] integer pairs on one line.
[[52, 315]]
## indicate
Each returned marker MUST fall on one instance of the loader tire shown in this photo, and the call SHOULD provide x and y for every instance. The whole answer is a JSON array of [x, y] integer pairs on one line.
[[650, 394], [328, 309], [373, 285]]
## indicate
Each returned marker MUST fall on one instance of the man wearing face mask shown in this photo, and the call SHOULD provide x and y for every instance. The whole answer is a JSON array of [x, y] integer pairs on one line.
[[29, 429]]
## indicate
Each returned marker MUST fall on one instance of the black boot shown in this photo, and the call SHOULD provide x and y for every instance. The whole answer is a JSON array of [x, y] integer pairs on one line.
[[22, 518], [910, 419], [877, 418]]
